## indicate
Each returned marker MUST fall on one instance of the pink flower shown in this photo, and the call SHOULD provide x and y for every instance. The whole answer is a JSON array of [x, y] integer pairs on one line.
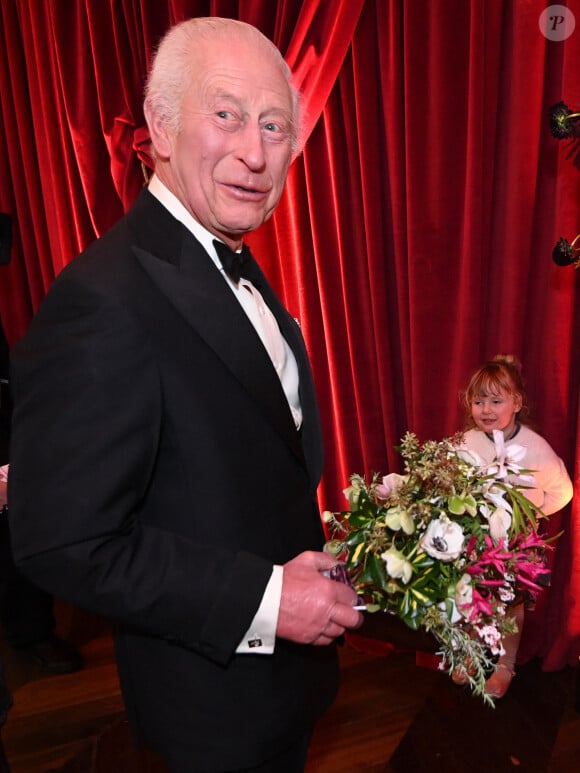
[[391, 483], [479, 606], [495, 556]]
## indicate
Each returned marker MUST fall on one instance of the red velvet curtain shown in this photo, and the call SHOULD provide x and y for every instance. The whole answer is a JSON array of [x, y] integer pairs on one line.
[[417, 225]]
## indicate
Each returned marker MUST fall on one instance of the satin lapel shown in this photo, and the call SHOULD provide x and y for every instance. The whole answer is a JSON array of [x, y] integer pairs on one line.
[[194, 286]]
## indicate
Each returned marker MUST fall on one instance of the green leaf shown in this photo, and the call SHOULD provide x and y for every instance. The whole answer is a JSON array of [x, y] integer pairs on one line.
[[378, 570], [419, 596], [356, 554], [358, 519]]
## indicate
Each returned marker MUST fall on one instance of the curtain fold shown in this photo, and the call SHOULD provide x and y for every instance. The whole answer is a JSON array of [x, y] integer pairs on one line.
[[418, 223]]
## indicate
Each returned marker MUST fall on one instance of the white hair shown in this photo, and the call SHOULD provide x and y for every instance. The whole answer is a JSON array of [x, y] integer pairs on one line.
[[173, 66]]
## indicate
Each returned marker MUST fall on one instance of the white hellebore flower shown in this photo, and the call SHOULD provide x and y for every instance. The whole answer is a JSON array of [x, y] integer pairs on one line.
[[499, 524], [352, 493], [397, 519], [499, 521], [464, 595], [443, 539], [397, 565]]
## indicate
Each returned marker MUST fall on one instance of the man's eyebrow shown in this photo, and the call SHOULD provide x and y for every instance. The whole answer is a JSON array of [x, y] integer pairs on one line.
[[221, 93], [224, 94], [271, 111]]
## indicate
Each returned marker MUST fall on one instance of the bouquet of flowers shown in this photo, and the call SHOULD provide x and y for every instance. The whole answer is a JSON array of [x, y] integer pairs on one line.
[[450, 547]]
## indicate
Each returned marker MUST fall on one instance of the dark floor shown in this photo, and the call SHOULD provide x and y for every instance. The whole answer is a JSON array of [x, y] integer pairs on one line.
[[391, 715]]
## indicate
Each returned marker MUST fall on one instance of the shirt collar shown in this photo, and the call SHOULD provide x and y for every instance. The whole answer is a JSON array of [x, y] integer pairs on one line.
[[179, 212]]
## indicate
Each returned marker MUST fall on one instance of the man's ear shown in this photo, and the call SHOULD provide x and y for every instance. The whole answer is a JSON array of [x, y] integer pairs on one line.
[[158, 131]]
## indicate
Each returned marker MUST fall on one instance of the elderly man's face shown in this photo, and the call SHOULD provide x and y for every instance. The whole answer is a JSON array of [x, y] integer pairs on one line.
[[229, 161]]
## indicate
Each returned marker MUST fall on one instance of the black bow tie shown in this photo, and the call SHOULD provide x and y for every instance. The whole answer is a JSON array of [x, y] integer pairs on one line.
[[233, 262]]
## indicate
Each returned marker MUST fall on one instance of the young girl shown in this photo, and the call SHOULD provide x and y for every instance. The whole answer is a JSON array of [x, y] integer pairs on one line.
[[496, 400]]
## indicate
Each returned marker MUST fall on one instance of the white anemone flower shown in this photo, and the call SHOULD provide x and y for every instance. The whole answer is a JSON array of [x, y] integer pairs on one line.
[[443, 539]]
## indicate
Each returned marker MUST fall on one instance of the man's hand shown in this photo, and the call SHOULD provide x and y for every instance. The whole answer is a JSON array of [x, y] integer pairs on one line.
[[313, 608], [2, 493]]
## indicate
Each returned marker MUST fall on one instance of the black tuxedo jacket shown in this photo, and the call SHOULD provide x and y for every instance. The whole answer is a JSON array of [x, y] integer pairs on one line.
[[156, 475]]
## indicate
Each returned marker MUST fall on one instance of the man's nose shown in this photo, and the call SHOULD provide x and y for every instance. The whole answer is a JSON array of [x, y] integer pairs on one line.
[[251, 149]]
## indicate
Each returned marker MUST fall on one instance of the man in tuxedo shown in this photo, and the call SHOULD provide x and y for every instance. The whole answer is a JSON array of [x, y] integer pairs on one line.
[[166, 440], [26, 611]]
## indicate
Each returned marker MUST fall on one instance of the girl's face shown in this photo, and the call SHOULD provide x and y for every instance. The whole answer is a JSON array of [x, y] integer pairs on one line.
[[496, 411]]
